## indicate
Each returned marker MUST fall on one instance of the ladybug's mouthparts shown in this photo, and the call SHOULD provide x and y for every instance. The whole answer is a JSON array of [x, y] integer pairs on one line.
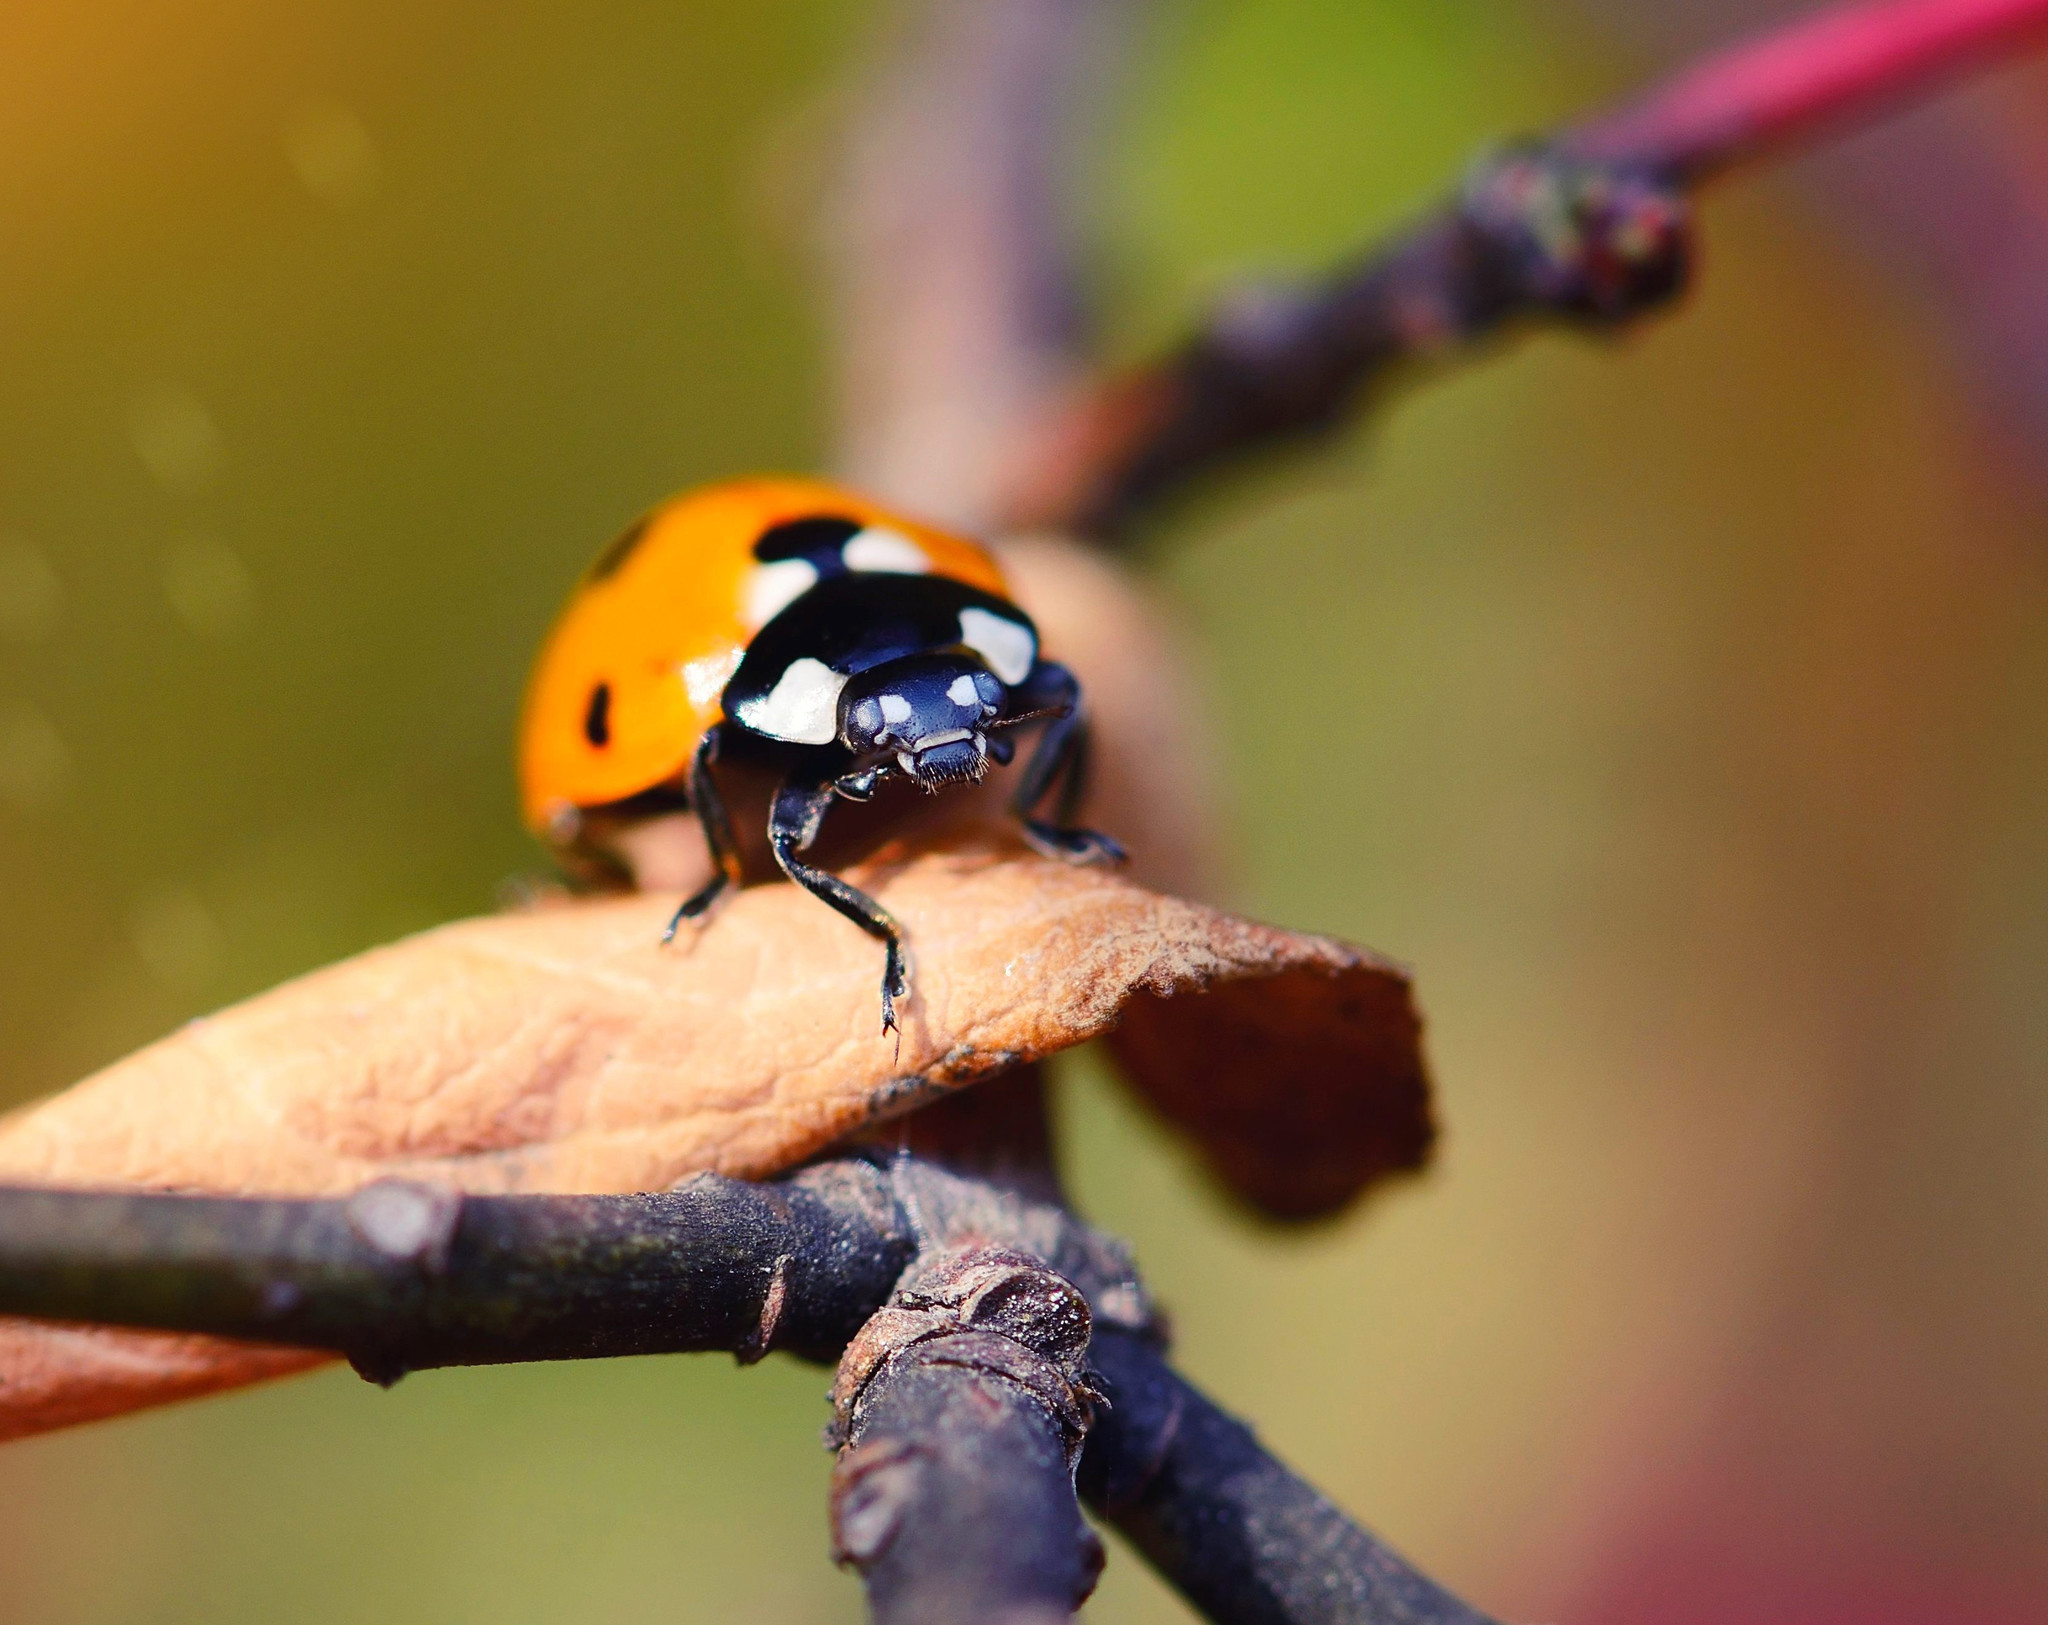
[[957, 757]]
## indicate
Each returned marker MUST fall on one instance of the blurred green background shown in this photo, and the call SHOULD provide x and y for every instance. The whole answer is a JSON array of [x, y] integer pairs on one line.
[[1677, 708]]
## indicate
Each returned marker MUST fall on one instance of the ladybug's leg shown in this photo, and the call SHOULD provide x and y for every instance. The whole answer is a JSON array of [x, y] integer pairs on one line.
[[1059, 760], [793, 823], [709, 807]]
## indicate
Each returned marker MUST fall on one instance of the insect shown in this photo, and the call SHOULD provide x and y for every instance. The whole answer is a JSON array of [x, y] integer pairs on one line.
[[793, 622]]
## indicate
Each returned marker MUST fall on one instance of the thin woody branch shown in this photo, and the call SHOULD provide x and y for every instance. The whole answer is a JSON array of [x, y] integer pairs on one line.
[[402, 1276], [960, 1406], [961, 1409], [1533, 232], [1238, 1535], [1590, 227]]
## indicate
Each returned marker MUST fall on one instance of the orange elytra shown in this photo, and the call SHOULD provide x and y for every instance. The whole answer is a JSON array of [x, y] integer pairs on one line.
[[812, 631], [660, 621]]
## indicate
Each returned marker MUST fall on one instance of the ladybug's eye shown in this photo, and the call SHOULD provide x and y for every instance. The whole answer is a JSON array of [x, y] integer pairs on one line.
[[597, 716]]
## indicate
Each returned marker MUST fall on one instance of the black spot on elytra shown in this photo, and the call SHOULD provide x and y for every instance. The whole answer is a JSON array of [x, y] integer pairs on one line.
[[808, 538], [597, 716], [620, 549]]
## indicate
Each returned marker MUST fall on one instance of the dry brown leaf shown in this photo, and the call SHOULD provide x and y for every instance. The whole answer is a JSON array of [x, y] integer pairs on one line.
[[55, 1376], [564, 1049], [1245, 1071]]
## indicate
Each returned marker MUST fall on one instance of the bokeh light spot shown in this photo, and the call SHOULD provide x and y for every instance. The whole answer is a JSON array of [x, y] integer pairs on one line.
[[176, 936], [177, 439], [209, 587], [31, 596], [35, 766], [331, 152]]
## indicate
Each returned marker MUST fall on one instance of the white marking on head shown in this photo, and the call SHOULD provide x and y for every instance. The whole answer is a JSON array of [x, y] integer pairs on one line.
[[961, 691], [883, 551], [1008, 647], [803, 706], [952, 736], [706, 678], [772, 588], [895, 708]]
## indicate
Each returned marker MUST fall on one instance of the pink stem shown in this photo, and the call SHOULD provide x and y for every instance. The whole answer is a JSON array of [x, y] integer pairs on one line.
[[1779, 83]]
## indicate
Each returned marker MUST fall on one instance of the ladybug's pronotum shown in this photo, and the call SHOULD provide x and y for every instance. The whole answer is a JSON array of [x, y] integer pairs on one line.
[[798, 624]]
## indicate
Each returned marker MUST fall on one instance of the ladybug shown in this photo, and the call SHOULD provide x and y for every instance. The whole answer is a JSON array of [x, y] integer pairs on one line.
[[794, 622]]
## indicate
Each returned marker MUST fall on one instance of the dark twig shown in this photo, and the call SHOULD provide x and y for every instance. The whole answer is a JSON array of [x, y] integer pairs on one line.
[[961, 1409], [1591, 227], [1240, 1536], [1533, 231], [403, 1277], [960, 1404]]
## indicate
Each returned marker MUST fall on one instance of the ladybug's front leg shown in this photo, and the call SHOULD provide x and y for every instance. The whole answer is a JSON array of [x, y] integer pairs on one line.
[[794, 820], [1060, 759], [712, 818]]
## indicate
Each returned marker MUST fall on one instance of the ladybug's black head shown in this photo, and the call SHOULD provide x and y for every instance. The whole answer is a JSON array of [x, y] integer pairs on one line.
[[930, 712]]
